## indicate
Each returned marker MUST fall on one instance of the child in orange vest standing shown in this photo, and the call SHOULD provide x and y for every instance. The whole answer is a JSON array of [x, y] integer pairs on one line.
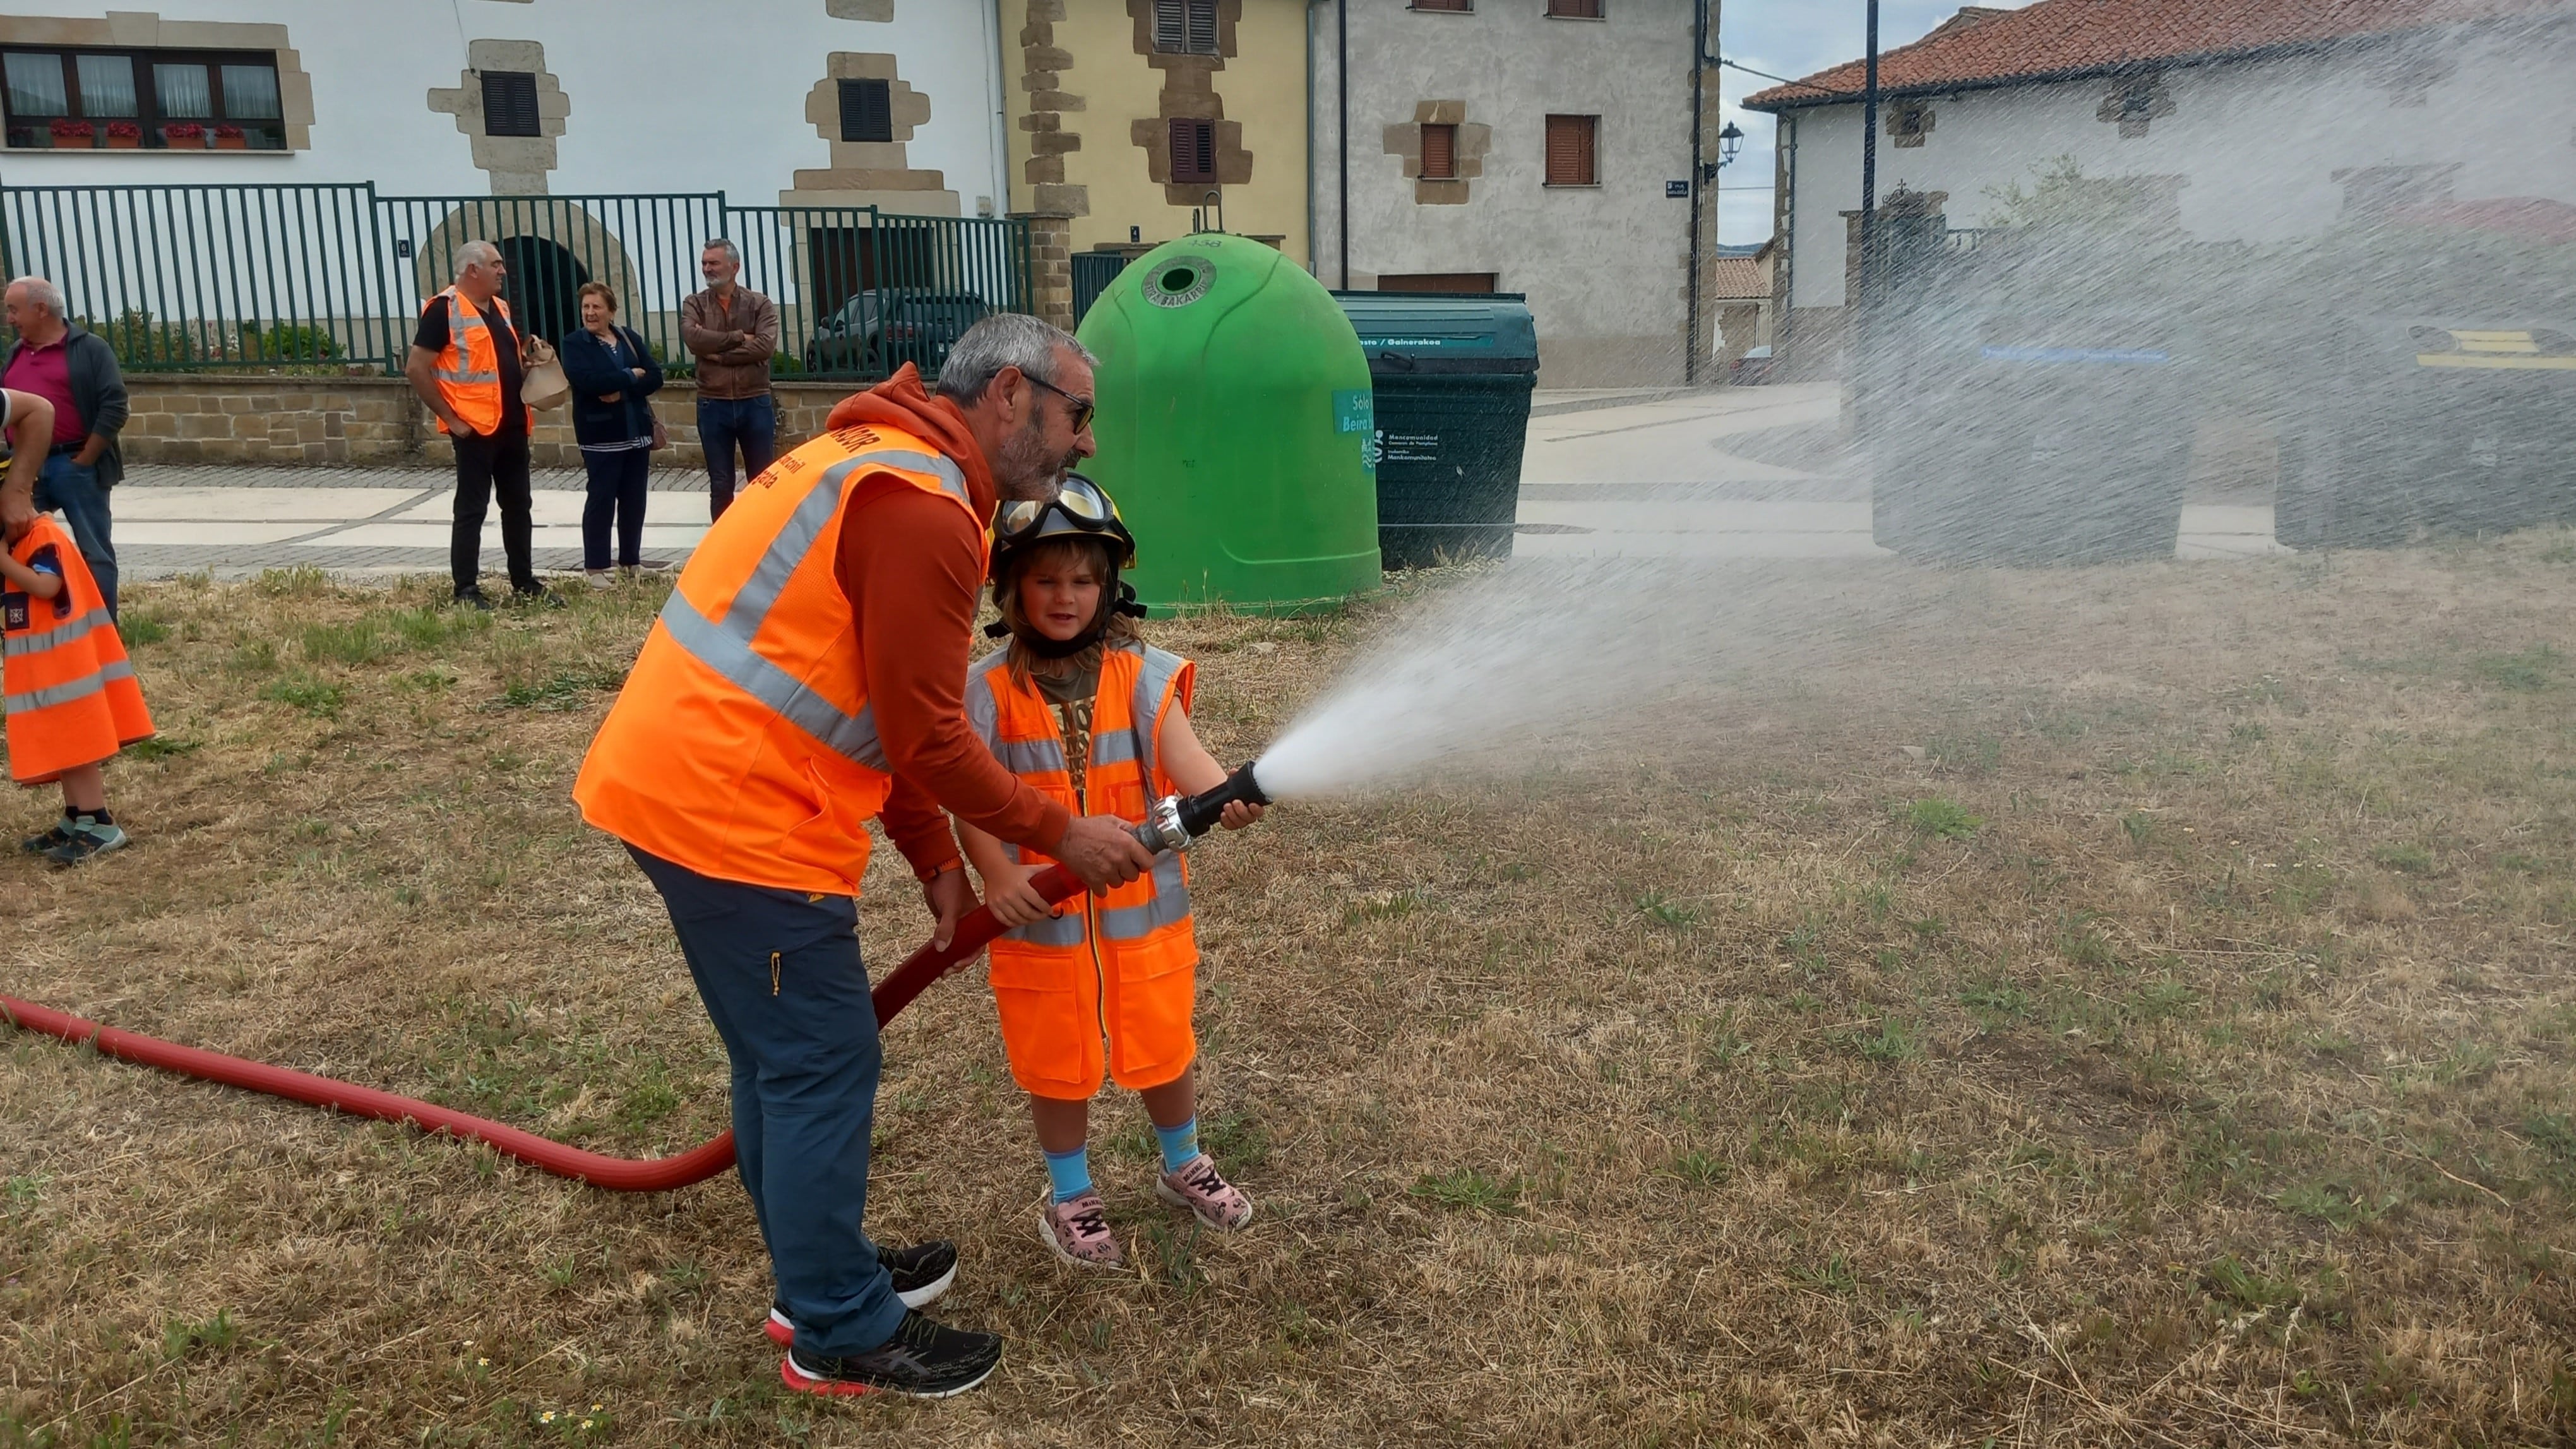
[[72, 699], [1083, 709]]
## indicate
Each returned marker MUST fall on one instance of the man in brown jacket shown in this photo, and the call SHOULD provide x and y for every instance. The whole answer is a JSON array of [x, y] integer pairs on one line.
[[732, 331]]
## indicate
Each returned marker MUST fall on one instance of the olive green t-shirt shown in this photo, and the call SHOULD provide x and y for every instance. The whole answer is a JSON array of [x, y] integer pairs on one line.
[[1071, 694]]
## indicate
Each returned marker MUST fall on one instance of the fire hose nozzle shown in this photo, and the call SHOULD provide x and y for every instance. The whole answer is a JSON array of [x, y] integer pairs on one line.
[[1176, 820]]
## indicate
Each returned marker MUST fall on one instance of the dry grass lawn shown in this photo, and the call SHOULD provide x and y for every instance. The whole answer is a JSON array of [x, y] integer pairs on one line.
[[2147, 1024]]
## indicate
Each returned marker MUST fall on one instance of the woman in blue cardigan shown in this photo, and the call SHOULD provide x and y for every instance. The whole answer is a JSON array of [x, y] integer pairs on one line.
[[612, 375]]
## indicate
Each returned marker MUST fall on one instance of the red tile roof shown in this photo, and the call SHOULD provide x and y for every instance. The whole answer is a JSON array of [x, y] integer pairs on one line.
[[2055, 38], [1732, 279]]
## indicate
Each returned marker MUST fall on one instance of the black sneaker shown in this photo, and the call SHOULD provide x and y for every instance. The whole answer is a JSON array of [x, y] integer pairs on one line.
[[924, 1359], [921, 1274], [536, 595], [473, 597], [39, 844]]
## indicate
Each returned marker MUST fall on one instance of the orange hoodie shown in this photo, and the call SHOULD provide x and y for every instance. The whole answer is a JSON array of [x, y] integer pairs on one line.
[[913, 570]]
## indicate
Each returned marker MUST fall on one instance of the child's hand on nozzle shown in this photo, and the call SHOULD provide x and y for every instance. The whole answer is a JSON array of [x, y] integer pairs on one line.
[[1238, 814], [1013, 901]]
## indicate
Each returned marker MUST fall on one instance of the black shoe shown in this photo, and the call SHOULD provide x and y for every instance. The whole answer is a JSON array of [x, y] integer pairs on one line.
[[537, 595], [921, 1274], [472, 597], [924, 1359]]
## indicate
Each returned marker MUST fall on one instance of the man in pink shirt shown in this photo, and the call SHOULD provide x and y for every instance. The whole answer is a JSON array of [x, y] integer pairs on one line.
[[76, 371]]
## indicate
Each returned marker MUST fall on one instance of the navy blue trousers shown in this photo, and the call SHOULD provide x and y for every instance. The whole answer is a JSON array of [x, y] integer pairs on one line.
[[781, 979], [724, 424]]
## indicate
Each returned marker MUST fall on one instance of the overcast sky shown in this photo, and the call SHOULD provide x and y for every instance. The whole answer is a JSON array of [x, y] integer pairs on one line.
[[1796, 38]]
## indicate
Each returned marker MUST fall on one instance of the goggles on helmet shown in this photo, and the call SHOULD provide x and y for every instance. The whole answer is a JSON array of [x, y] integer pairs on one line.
[[1080, 509]]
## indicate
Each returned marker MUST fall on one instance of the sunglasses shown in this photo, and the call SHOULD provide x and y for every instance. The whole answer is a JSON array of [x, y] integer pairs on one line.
[[1078, 410]]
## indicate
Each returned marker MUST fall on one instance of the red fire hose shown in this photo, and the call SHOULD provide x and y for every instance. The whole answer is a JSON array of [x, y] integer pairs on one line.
[[618, 1174]]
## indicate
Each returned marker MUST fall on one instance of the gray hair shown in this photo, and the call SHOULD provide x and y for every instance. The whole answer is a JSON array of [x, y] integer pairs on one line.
[[1005, 339], [43, 293], [475, 252], [732, 253]]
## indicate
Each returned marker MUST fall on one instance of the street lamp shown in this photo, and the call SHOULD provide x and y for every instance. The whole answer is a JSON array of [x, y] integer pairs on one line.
[[1729, 142]]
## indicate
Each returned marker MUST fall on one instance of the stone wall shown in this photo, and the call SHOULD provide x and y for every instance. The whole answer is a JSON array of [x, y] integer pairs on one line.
[[270, 421]]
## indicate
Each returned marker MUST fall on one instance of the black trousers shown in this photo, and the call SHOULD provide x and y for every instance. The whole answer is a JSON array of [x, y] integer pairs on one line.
[[488, 464], [618, 485]]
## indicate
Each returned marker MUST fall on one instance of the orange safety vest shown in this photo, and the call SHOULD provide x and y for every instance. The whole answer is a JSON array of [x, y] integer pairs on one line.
[[469, 370], [742, 746], [72, 699], [1119, 966]]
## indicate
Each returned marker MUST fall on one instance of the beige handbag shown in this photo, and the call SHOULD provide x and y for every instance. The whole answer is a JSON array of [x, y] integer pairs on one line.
[[545, 385]]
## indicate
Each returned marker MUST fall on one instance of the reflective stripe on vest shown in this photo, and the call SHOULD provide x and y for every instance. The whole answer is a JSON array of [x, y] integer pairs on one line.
[[17, 644], [726, 647], [459, 322], [81, 688], [1171, 904]]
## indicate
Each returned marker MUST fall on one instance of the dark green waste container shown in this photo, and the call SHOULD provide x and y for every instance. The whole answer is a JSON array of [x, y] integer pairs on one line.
[[1452, 374]]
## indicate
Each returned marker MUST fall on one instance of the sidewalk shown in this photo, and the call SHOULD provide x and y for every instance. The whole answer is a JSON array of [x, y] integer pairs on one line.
[[233, 522]]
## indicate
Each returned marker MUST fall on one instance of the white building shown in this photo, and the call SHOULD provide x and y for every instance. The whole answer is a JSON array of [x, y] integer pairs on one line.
[[622, 133], [518, 97], [2259, 121]]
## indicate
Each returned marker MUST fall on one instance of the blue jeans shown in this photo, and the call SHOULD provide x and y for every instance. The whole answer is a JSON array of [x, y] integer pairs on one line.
[[66, 485], [617, 487], [781, 979], [725, 423]]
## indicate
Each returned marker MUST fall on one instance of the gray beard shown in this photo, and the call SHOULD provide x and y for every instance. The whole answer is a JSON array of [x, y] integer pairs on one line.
[[1027, 471]]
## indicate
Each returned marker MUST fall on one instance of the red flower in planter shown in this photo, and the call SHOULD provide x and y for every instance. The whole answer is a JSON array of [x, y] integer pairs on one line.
[[184, 131], [228, 133], [68, 128], [126, 130]]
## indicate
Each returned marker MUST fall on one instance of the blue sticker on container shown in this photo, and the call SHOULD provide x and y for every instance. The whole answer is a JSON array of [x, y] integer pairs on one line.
[[1354, 410]]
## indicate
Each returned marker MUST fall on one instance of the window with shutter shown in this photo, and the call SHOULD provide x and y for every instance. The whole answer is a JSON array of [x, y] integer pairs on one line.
[[1439, 153], [867, 110], [1193, 151], [1575, 9], [1570, 153], [510, 103], [1462, 7], [1185, 27]]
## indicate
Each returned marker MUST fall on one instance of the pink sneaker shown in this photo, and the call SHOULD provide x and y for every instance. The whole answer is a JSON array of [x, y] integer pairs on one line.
[[1202, 1189], [1078, 1230]]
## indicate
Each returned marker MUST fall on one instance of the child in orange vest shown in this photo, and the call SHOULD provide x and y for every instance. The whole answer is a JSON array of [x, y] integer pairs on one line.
[[72, 699], [1084, 710]]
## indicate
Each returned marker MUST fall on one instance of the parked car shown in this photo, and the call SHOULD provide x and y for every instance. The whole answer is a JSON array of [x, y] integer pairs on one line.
[[881, 329]]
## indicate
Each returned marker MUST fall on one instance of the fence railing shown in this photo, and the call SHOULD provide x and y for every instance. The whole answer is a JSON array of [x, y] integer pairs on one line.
[[327, 278]]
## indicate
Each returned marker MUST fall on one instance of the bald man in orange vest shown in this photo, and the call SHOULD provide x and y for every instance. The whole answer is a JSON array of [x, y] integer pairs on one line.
[[807, 675]]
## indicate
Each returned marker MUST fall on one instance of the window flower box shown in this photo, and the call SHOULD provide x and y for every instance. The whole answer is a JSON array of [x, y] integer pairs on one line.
[[184, 136], [71, 132], [124, 136], [230, 138]]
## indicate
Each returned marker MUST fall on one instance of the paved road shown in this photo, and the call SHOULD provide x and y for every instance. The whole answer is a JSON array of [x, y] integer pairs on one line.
[[1744, 473], [1730, 473]]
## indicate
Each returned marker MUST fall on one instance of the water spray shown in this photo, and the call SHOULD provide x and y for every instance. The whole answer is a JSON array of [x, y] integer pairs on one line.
[[1173, 824]]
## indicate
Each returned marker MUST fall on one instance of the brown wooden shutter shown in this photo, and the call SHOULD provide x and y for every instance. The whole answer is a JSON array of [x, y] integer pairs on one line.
[[1570, 151], [1439, 153], [1575, 9], [1193, 151], [1458, 5]]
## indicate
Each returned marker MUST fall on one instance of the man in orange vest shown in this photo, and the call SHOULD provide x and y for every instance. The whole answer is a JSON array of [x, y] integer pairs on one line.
[[467, 364], [807, 675]]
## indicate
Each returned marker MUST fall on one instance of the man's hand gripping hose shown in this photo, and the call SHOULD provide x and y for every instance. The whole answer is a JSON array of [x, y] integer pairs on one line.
[[1185, 818]]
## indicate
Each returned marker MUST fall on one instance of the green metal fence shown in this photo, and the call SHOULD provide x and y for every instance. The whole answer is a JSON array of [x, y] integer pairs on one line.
[[326, 278]]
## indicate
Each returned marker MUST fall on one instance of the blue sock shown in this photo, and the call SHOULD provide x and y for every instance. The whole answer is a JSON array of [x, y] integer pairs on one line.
[[1071, 1172], [1180, 1144]]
